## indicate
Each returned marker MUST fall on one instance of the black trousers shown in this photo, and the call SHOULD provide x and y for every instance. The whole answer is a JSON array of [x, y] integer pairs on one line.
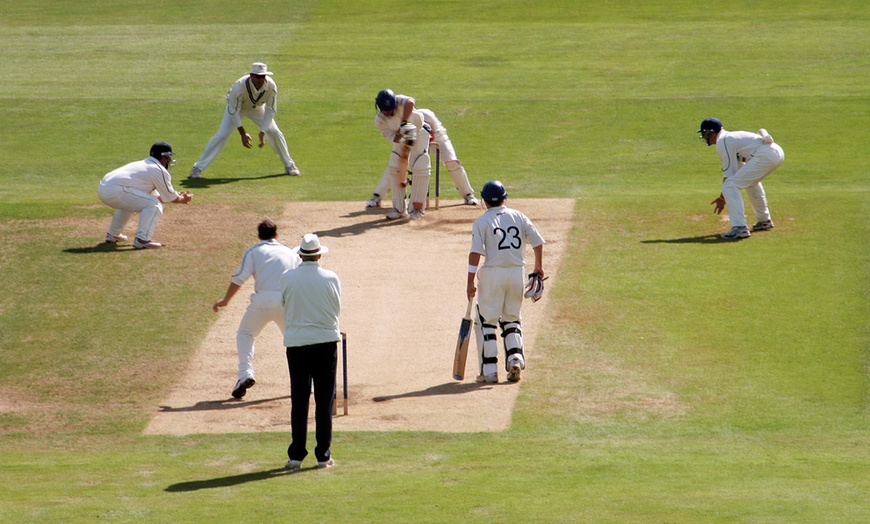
[[315, 364]]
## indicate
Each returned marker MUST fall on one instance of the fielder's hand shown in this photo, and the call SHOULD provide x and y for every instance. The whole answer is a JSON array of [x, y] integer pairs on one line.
[[535, 287], [720, 205], [184, 197], [262, 139], [246, 140]]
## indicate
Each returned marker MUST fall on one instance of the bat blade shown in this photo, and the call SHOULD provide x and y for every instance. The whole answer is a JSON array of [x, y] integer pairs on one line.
[[462, 342]]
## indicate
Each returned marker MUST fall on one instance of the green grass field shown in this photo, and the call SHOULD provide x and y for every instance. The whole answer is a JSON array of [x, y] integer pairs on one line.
[[681, 379]]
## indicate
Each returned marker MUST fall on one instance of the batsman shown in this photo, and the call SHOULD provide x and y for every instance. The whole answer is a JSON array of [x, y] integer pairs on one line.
[[501, 235], [403, 126]]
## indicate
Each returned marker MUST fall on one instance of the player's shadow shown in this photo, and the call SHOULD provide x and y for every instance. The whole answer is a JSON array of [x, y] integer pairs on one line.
[[218, 405], [359, 228], [233, 480], [205, 183], [448, 388], [703, 239], [104, 247]]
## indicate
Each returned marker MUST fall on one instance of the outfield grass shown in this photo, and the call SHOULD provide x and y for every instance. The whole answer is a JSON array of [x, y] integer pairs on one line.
[[681, 379]]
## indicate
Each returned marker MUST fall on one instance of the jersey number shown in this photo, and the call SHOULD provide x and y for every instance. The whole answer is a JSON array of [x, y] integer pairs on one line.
[[509, 239]]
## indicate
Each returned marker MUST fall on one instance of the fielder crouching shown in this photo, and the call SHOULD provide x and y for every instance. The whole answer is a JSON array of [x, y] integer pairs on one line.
[[500, 235]]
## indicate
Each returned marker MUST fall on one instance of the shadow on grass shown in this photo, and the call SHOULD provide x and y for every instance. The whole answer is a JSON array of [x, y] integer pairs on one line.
[[217, 405], [233, 480], [448, 388], [104, 247], [205, 183], [704, 239]]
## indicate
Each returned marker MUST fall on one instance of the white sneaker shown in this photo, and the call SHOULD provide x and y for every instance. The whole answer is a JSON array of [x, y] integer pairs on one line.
[[326, 463], [111, 239], [416, 214], [374, 201], [146, 244], [395, 214], [515, 366], [489, 379], [737, 232], [195, 172], [293, 464], [470, 200], [292, 170]]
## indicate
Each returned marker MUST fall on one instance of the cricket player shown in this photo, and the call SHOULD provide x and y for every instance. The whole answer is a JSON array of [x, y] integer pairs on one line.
[[141, 187], [448, 157], [501, 235], [404, 127], [266, 262], [254, 96], [747, 158]]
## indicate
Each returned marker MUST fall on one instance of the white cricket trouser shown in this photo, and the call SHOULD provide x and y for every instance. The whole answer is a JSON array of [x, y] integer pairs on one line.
[[274, 137], [265, 307], [500, 293], [748, 178], [499, 298], [126, 201]]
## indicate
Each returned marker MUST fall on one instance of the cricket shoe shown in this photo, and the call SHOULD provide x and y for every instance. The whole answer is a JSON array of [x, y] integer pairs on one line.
[[242, 387], [112, 239], [146, 244], [293, 464], [489, 379], [326, 463], [763, 226], [195, 172], [374, 201], [737, 232], [416, 214], [515, 366], [470, 200], [395, 214], [292, 170]]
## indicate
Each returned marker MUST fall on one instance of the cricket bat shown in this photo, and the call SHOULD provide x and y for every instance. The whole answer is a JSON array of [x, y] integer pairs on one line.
[[462, 345]]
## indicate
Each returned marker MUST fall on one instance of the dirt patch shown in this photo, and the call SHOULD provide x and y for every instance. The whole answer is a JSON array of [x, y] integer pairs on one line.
[[403, 286]]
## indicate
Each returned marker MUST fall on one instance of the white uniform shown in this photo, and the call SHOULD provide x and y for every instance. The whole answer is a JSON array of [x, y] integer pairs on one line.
[[418, 162], [501, 235], [134, 188], [244, 100], [448, 157], [746, 159], [266, 262]]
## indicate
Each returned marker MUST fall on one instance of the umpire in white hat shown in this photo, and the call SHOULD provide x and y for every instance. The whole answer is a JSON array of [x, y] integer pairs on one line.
[[312, 307]]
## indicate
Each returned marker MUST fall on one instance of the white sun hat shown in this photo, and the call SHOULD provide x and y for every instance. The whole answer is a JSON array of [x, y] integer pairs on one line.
[[311, 246]]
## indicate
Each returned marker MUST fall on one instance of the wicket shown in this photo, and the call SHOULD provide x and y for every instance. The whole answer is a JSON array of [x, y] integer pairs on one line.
[[343, 377]]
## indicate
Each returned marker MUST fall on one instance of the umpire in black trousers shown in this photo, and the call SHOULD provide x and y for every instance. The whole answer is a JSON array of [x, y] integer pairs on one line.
[[312, 307]]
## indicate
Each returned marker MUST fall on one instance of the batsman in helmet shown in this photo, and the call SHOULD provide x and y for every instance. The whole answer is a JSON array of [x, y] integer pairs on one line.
[[501, 235]]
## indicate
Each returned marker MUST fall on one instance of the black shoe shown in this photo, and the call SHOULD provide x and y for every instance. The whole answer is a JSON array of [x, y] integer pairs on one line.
[[242, 387]]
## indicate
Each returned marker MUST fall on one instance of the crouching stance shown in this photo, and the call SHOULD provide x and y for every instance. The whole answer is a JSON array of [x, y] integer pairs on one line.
[[500, 235], [747, 158]]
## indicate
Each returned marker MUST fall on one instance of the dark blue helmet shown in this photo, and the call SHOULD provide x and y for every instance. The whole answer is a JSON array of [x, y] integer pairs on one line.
[[160, 150], [493, 192], [709, 127], [386, 100]]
